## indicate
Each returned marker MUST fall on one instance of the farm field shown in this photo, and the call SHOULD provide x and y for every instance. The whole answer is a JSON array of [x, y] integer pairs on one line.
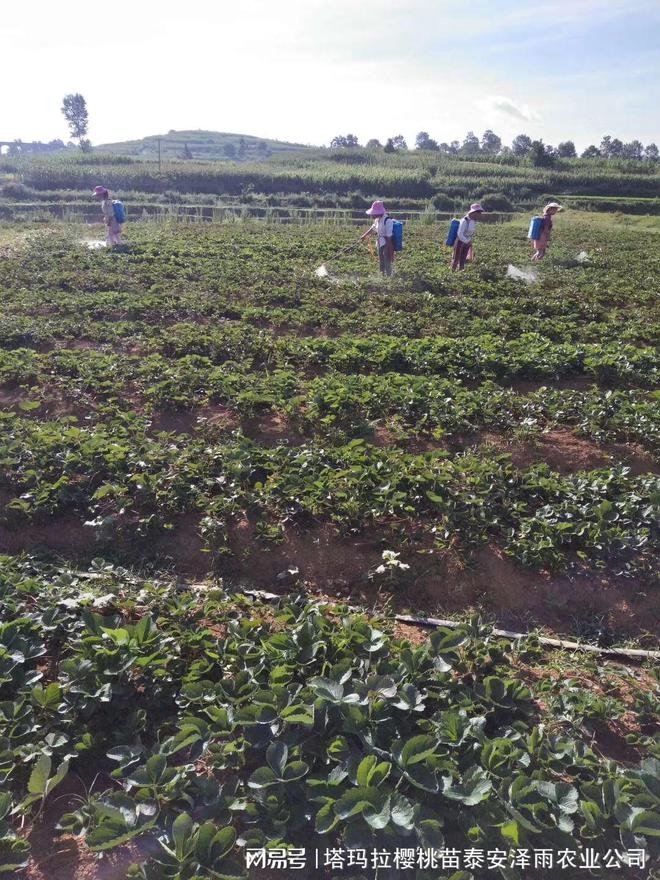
[[416, 180], [196, 418]]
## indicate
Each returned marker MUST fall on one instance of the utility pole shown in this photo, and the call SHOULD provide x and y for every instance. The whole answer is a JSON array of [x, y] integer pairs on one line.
[[159, 155]]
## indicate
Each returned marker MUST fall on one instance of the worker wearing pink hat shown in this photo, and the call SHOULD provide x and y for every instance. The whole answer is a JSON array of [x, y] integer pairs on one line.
[[466, 229], [540, 244], [113, 236], [382, 228]]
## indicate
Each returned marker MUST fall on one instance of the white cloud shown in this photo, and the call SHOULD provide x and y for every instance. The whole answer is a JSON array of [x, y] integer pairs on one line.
[[499, 106]]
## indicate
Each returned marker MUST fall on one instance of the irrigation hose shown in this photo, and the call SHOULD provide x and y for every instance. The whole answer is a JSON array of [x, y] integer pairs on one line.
[[637, 653]]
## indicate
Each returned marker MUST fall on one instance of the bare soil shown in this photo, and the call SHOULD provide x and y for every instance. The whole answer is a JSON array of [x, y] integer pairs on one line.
[[57, 856], [321, 561]]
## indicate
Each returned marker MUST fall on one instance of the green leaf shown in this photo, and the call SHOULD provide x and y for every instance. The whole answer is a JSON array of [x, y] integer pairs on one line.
[[403, 812], [223, 842], [430, 834], [383, 685], [356, 800], [646, 823], [262, 778], [55, 780], [594, 817], [380, 773], [562, 794], [364, 769], [422, 777], [474, 787], [5, 803], [452, 727], [48, 697], [447, 641], [295, 770], [414, 750], [155, 767], [327, 689], [338, 749], [125, 754], [277, 755], [39, 777], [181, 831], [378, 817], [203, 841], [511, 832], [298, 715], [326, 818], [111, 834]]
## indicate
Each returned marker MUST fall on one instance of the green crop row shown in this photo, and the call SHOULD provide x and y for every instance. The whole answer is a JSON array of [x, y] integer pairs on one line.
[[124, 482], [409, 175], [299, 725]]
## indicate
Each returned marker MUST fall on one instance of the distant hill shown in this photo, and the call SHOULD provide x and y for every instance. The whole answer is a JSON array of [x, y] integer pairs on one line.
[[201, 145]]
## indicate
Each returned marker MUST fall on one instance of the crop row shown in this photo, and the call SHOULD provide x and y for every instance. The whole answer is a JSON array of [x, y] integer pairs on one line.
[[336, 405], [474, 359], [300, 725], [123, 481], [410, 176], [116, 318], [56, 289]]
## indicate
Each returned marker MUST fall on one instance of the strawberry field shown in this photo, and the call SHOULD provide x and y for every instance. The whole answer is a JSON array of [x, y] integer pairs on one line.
[[196, 418]]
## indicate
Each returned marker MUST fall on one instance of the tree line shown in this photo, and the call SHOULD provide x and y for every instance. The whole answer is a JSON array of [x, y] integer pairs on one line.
[[522, 146]]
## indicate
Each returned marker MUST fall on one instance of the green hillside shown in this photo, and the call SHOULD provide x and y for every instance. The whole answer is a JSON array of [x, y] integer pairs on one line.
[[201, 145]]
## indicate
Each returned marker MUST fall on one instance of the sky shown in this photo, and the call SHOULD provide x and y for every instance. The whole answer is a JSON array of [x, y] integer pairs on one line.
[[307, 70]]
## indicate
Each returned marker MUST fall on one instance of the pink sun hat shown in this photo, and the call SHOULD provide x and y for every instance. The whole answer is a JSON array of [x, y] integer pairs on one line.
[[99, 191], [476, 207], [376, 210]]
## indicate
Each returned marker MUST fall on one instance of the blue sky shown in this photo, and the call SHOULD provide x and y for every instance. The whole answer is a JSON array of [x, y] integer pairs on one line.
[[306, 70]]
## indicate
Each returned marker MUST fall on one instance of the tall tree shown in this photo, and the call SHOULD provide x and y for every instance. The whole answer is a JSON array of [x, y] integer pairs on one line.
[[633, 150], [490, 142], [616, 149], [611, 148], [424, 142], [74, 108], [470, 143], [399, 142], [539, 155], [651, 152], [389, 146], [373, 144], [592, 152], [521, 145], [566, 150], [341, 141]]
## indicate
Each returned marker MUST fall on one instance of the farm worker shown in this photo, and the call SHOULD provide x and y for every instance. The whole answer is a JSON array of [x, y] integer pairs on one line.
[[114, 228], [541, 243], [466, 230], [382, 229]]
